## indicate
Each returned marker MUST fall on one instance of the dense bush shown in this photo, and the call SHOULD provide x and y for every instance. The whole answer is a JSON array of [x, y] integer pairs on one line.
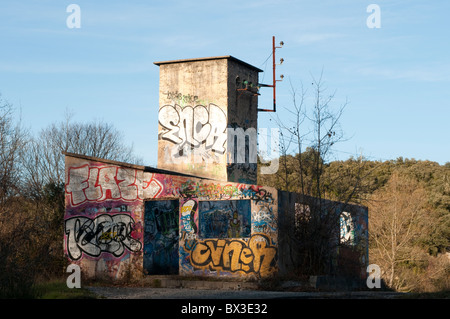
[[32, 195]]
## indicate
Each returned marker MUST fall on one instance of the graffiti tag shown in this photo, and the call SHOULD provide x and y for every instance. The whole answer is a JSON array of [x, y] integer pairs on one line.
[[225, 219], [263, 220], [194, 126], [255, 256], [99, 183], [161, 237], [203, 190], [188, 211], [181, 98], [347, 228], [105, 233]]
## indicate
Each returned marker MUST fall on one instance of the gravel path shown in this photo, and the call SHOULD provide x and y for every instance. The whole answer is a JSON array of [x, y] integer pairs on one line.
[[186, 293]]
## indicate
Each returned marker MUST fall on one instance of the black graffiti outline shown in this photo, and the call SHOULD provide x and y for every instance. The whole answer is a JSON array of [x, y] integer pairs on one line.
[[93, 236], [215, 142], [250, 267], [262, 196]]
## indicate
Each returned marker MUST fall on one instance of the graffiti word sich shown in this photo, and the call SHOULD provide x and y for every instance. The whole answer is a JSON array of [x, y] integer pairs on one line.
[[194, 126]]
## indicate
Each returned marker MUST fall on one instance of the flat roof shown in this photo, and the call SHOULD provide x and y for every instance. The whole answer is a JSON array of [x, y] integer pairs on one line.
[[229, 57], [149, 169]]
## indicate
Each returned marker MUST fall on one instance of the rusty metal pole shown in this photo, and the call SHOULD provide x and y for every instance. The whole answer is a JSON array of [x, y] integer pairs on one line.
[[274, 76], [274, 84]]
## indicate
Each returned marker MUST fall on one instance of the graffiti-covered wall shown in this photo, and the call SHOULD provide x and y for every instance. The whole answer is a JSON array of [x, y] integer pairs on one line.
[[121, 218], [228, 229], [208, 118], [103, 222]]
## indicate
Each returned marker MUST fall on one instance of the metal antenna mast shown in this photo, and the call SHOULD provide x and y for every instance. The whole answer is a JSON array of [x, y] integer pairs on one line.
[[274, 81]]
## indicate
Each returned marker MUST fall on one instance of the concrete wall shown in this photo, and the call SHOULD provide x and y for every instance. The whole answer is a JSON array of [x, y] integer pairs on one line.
[[353, 251], [348, 235], [199, 100], [242, 114], [120, 220]]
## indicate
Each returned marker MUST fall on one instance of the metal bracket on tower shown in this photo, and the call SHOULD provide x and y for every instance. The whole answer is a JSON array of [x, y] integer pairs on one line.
[[274, 81]]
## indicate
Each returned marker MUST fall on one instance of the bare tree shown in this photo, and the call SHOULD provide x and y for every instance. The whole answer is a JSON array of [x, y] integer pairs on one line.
[[44, 161], [312, 132], [313, 129], [398, 216], [15, 236], [12, 142], [32, 193]]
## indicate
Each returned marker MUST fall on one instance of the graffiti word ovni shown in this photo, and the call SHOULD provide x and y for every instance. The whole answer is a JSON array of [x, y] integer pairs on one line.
[[255, 256], [105, 233]]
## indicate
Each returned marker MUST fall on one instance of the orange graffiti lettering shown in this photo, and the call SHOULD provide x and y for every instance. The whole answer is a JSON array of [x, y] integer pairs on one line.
[[256, 255]]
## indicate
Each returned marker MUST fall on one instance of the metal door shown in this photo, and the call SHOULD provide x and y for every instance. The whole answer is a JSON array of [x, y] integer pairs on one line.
[[161, 235]]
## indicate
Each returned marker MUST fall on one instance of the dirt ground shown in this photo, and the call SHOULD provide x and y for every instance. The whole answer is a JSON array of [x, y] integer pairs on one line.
[[187, 293]]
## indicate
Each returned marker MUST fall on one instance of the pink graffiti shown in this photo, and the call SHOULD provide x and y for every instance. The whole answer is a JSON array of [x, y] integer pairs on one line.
[[99, 183]]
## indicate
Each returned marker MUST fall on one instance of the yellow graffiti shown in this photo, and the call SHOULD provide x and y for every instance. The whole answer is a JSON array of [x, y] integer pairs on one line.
[[108, 236], [255, 256]]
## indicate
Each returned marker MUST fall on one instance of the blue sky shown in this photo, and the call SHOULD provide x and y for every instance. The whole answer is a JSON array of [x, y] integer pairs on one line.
[[396, 78]]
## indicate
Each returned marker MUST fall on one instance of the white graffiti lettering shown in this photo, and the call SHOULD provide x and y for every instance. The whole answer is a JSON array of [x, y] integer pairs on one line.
[[194, 126], [96, 184], [347, 228], [105, 233], [188, 211]]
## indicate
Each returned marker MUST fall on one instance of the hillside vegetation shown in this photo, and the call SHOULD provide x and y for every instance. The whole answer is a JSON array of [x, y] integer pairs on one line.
[[408, 201], [409, 212]]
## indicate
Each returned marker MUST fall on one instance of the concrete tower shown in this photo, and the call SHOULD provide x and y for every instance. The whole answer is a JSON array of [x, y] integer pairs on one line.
[[208, 109]]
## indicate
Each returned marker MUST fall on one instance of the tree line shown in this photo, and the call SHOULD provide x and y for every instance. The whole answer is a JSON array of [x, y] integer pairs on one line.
[[409, 212], [32, 177], [408, 200]]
